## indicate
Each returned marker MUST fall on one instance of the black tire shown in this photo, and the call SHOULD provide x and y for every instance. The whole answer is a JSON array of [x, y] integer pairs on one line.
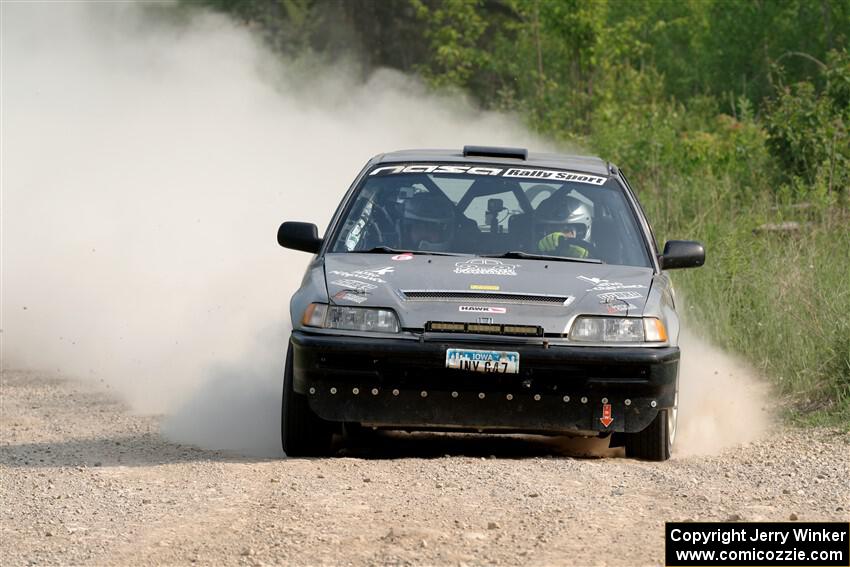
[[302, 432], [655, 443]]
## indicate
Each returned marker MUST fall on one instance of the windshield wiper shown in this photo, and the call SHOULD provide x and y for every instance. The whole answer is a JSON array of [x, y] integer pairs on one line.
[[526, 255], [388, 250]]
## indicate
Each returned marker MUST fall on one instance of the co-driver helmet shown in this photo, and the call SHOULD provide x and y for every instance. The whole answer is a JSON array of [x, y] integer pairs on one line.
[[559, 213]]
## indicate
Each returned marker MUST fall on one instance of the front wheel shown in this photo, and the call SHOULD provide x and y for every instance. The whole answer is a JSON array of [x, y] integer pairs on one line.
[[655, 443], [302, 432]]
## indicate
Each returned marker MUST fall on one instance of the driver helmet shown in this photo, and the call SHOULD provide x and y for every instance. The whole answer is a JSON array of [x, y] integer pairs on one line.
[[561, 214], [427, 223]]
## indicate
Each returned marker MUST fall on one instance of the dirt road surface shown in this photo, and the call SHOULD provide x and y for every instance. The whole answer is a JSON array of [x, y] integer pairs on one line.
[[86, 482]]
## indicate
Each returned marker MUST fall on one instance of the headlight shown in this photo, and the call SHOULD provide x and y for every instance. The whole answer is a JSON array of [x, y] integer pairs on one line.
[[350, 318], [618, 330]]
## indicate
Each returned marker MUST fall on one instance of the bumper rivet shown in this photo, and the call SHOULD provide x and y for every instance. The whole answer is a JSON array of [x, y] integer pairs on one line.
[[480, 395], [509, 397], [312, 390], [374, 391], [395, 392], [455, 394], [566, 398], [653, 403], [423, 393], [628, 402], [333, 390], [355, 391], [583, 400], [604, 400], [536, 397]]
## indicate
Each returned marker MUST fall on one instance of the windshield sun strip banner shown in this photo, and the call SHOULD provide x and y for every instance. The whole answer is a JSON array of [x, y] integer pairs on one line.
[[511, 172]]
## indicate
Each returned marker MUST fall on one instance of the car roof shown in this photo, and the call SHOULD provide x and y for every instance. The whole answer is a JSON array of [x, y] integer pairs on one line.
[[588, 164]]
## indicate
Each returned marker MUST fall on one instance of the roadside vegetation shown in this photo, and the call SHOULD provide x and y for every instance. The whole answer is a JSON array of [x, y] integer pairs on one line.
[[730, 118]]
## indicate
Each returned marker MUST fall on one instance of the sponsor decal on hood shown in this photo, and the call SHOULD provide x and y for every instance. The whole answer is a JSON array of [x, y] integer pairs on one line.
[[484, 287], [485, 267], [600, 284], [356, 285], [619, 295], [481, 309], [368, 275], [351, 295], [614, 308]]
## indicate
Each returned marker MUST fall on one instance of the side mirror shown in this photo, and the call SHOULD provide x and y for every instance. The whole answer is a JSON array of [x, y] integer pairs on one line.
[[302, 236], [682, 254]]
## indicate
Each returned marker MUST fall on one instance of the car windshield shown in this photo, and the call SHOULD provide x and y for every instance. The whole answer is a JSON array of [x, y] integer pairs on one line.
[[491, 210]]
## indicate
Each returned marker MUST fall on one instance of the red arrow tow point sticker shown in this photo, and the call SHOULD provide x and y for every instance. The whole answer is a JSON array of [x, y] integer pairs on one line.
[[606, 418]]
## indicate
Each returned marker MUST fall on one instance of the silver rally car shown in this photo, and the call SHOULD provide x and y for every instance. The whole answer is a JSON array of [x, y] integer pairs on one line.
[[491, 290]]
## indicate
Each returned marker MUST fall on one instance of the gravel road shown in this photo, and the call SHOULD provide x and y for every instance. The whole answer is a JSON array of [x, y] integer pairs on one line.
[[86, 482]]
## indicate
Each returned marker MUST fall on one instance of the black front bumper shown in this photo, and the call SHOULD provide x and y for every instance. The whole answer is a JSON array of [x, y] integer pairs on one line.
[[404, 383]]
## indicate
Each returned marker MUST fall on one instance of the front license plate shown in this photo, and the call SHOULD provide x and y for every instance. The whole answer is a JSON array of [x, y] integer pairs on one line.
[[489, 361]]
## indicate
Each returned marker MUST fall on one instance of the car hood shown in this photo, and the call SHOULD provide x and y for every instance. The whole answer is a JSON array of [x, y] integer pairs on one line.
[[422, 288]]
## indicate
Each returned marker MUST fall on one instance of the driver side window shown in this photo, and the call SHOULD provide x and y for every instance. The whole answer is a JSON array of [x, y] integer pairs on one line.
[[371, 222]]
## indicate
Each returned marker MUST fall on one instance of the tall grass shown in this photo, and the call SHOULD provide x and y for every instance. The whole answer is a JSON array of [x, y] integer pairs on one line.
[[777, 294], [781, 299]]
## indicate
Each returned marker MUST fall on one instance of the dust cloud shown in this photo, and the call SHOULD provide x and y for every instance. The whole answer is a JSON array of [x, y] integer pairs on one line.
[[148, 156], [147, 163], [722, 400]]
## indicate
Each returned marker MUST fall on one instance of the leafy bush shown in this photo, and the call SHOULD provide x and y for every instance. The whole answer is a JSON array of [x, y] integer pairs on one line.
[[808, 133]]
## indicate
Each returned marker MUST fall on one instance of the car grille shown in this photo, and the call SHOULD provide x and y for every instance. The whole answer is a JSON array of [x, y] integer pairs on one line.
[[488, 297]]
